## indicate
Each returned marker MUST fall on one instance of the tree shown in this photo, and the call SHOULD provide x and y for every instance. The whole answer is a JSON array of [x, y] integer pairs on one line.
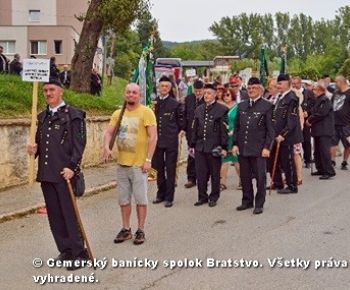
[[321, 46], [147, 25], [197, 50], [345, 69], [127, 53], [101, 15]]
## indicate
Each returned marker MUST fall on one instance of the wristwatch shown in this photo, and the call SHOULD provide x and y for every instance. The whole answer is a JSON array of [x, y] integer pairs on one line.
[[148, 160]]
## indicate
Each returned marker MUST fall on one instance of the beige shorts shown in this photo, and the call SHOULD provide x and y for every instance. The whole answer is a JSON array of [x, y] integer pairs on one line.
[[131, 181]]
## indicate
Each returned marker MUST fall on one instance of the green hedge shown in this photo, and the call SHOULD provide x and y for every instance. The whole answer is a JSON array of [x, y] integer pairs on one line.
[[16, 98]]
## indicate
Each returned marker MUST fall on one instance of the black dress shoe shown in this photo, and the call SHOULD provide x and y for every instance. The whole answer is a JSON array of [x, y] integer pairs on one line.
[[274, 187], [190, 184], [65, 256], [288, 191], [212, 203], [157, 200], [168, 204], [79, 261], [200, 202], [326, 176], [307, 165], [258, 210], [316, 173], [244, 207]]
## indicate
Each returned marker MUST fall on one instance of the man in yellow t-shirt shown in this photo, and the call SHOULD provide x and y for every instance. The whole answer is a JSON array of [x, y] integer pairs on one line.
[[136, 141]]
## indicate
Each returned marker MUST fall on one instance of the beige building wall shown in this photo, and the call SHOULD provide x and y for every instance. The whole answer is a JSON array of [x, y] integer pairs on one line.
[[51, 33], [5, 12], [20, 12], [19, 35], [66, 9]]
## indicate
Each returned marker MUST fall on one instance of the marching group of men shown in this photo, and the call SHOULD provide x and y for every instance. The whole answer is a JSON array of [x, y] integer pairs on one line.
[[267, 128], [261, 126]]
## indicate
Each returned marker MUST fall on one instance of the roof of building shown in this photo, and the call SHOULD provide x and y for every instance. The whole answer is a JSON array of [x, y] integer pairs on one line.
[[197, 63]]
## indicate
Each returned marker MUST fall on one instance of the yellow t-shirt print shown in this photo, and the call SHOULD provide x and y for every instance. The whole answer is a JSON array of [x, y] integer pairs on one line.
[[127, 135], [132, 139]]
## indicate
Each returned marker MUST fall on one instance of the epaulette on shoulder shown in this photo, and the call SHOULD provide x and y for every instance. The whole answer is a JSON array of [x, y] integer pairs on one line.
[[75, 113]]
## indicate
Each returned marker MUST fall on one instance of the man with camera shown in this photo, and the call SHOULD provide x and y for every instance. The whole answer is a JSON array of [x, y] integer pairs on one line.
[[209, 140]]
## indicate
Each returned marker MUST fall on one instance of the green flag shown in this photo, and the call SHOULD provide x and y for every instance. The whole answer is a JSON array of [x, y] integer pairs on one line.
[[264, 70], [143, 75]]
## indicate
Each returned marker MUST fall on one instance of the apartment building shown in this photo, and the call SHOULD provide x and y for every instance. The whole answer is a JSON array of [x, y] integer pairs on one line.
[[42, 28]]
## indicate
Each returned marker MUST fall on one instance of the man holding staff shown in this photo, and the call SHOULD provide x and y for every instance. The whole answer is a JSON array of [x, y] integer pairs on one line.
[[59, 145], [136, 138]]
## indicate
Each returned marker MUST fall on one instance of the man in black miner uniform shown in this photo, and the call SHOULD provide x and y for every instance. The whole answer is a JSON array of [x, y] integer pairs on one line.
[[306, 105], [169, 115], [321, 122], [209, 132], [60, 143], [253, 137], [191, 103], [288, 130]]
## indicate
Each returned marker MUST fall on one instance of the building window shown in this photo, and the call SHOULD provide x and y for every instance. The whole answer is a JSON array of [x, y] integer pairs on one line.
[[38, 47], [58, 46], [9, 46], [34, 15]]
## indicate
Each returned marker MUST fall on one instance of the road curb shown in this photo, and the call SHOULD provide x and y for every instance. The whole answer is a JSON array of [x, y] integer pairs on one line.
[[33, 209], [88, 193]]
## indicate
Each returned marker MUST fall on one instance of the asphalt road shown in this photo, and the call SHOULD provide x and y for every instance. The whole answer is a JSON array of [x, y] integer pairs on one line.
[[308, 227]]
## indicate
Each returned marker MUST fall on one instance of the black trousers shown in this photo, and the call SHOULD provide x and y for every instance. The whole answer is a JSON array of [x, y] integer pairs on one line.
[[253, 167], [208, 166], [164, 161], [286, 163], [62, 219], [323, 159], [191, 169], [307, 144]]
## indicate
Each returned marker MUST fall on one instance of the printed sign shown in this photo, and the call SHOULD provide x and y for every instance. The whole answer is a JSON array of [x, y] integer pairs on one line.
[[36, 70]]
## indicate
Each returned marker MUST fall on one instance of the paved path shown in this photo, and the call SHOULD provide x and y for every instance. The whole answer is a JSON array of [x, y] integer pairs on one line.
[[312, 225]]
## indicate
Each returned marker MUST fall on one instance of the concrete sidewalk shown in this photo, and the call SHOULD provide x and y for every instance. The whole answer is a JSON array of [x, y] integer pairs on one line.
[[24, 200]]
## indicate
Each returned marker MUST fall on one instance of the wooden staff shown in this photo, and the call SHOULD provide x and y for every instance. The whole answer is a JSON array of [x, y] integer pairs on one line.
[[77, 214], [117, 126], [274, 166], [33, 130]]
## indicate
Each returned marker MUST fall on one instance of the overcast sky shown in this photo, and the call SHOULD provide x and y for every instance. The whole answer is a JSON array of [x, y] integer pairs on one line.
[[185, 20]]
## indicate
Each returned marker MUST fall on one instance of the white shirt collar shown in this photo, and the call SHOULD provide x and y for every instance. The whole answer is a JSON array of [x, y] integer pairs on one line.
[[208, 104], [257, 99], [285, 93], [163, 98], [55, 109]]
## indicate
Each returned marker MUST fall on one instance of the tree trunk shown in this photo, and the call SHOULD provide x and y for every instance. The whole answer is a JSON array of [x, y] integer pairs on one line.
[[83, 58]]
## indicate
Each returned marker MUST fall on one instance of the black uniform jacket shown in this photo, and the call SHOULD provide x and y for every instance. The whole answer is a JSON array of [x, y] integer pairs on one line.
[[61, 140], [209, 127], [308, 102], [254, 128], [286, 119], [170, 121], [191, 104], [322, 117]]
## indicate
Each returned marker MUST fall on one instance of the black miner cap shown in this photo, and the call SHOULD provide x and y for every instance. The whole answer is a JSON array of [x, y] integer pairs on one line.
[[210, 86], [164, 79], [54, 81], [253, 81], [198, 84], [283, 77]]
